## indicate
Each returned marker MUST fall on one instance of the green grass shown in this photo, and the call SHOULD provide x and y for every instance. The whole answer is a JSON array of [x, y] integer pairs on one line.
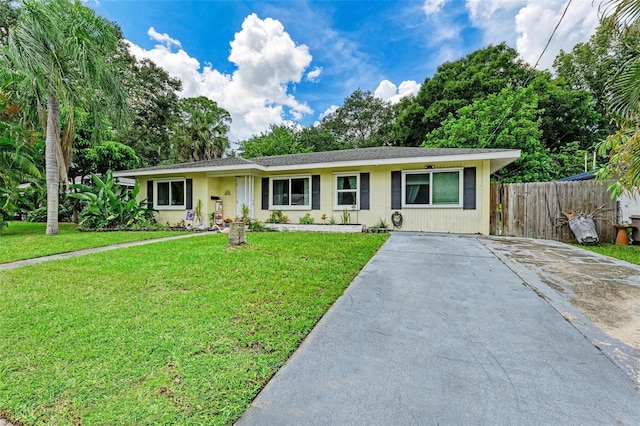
[[179, 332], [629, 253], [25, 240]]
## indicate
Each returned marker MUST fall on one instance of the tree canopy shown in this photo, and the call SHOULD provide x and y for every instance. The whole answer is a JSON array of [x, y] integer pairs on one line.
[[201, 130]]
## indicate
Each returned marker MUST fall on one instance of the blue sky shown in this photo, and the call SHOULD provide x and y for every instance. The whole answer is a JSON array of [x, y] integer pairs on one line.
[[287, 61]]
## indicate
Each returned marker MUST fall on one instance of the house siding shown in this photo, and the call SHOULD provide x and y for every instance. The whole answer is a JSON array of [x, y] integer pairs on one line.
[[455, 220]]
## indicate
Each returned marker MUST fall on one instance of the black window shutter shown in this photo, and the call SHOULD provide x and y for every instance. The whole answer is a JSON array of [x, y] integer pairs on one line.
[[149, 194], [265, 193], [315, 192], [469, 189], [364, 191], [396, 190], [189, 205]]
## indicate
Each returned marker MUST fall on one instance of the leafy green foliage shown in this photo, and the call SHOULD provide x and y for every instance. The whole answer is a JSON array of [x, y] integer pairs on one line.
[[153, 96], [623, 147], [307, 219], [507, 120], [362, 121], [17, 168], [112, 206], [182, 332], [201, 130], [458, 84], [59, 54], [279, 140], [276, 216]]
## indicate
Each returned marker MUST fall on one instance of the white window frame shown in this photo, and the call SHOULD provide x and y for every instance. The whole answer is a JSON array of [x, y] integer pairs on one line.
[[289, 207], [156, 206], [352, 207], [431, 172]]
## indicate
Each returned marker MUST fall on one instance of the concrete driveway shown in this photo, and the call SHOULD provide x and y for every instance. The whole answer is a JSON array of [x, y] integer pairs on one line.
[[436, 329]]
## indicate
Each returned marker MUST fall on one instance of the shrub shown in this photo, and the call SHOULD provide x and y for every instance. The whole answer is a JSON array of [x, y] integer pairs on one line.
[[112, 206], [307, 219], [277, 216]]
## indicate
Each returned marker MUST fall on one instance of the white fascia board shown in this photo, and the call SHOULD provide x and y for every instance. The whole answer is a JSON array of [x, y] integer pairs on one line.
[[182, 170], [507, 157]]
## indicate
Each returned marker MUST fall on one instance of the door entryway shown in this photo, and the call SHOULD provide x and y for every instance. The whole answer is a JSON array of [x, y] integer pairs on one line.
[[244, 194]]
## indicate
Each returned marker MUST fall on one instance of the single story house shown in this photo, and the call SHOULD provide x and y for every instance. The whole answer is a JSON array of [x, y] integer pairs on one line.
[[434, 189]]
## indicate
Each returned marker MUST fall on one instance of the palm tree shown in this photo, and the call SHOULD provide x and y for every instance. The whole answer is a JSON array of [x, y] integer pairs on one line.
[[202, 132], [623, 147], [61, 51]]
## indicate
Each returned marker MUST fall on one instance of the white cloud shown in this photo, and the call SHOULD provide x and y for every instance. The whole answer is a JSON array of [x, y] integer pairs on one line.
[[431, 7], [387, 91], [528, 24], [536, 21], [328, 111], [163, 38], [314, 74], [256, 93]]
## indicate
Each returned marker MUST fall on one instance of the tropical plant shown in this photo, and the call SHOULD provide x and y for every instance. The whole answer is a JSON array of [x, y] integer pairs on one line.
[[276, 216], [346, 217], [112, 206], [199, 212], [623, 147], [201, 133], [16, 168], [60, 52], [245, 213]]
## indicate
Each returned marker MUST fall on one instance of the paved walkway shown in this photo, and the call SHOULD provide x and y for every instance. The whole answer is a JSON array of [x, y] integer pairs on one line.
[[19, 263], [437, 330]]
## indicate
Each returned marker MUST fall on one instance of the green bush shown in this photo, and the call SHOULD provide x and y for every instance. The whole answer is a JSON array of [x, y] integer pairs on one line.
[[277, 216], [112, 206], [307, 219]]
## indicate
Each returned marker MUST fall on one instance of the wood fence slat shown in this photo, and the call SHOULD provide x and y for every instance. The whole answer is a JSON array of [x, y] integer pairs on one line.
[[534, 210]]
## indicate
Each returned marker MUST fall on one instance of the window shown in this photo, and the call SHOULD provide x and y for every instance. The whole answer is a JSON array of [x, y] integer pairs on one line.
[[347, 191], [170, 194], [291, 192], [441, 188]]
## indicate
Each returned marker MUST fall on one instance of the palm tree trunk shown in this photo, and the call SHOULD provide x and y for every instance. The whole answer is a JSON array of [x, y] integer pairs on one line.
[[51, 164]]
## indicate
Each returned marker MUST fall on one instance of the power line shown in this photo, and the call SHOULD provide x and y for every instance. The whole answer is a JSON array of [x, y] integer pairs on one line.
[[553, 33]]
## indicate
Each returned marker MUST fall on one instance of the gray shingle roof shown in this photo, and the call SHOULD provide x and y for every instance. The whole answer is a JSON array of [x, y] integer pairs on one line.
[[218, 162], [364, 154], [347, 155]]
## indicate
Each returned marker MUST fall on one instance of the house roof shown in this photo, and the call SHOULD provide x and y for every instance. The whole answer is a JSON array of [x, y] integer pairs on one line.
[[579, 176], [349, 157]]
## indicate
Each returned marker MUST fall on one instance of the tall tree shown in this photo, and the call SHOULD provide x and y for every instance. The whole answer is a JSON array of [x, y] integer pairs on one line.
[[458, 84], [153, 97], [62, 50], [201, 133], [508, 120], [279, 140], [362, 121]]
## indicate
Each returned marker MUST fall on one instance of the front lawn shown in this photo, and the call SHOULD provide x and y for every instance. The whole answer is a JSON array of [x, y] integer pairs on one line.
[[629, 253], [179, 332], [25, 240]]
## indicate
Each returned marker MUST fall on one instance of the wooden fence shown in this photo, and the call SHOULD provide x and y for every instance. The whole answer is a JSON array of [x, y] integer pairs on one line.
[[534, 210]]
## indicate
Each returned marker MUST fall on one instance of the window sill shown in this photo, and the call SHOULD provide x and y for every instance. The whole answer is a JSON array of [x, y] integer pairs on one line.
[[169, 208], [283, 208], [428, 206]]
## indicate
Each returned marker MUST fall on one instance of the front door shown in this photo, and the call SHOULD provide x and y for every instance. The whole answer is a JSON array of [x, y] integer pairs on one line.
[[244, 194]]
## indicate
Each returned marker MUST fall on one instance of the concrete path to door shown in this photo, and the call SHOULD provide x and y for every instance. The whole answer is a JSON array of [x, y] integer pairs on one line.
[[436, 329]]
